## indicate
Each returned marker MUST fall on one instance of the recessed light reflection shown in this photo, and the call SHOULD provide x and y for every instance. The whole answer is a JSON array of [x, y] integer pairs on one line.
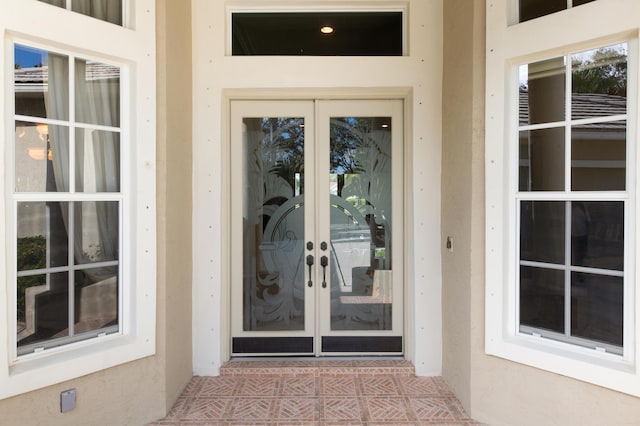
[[326, 29]]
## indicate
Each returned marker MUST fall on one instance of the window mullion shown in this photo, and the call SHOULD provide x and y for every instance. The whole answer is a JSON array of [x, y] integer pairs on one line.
[[70, 260], [567, 270]]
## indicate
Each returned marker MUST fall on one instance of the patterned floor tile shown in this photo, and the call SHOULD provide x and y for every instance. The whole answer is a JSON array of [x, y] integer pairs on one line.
[[334, 386], [299, 386], [259, 386], [297, 409], [251, 409], [431, 408], [336, 409], [207, 409], [387, 409], [217, 386], [383, 385], [422, 386]]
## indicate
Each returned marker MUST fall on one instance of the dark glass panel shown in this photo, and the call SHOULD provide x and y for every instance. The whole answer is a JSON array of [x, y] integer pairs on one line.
[[43, 308], [542, 230], [36, 73], [599, 156], [542, 298], [42, 235], [597, 307], [597, 234], [541, 164], [105, 10], [97, 231], [96, 299], [355, 33], [530, 9]]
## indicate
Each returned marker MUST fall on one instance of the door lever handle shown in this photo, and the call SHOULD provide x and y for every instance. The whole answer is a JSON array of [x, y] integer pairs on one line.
[[324, 261], [310, 264]]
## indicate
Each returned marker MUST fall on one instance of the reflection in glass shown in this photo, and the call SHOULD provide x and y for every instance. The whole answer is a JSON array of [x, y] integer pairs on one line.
[[37, 149], [96, 231], [599, 156], [273, 223], [42, 240], [97, 93], [597, 234], [542, 231], [599, 82], [542, 162], [542, 91], [106, 10], [97, 161], [40, 78], [597, 307], [96, 299], [361, 252], [542, 298], [43, 308]]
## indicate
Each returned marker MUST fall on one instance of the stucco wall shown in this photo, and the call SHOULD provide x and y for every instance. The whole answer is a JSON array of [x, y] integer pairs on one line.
[[493, 390], [142, 391]]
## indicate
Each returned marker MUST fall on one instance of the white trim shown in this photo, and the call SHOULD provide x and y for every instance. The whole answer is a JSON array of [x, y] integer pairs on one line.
[[599, 23], [134, 51]]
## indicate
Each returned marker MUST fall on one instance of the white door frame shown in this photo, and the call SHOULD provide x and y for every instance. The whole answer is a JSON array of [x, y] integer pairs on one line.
[[316, 227]]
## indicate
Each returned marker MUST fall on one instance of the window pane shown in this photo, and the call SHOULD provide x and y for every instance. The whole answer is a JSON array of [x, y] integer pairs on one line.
[[43, 308], [598, 156], [299, 33], [41, 83], [542, 298], [599, 82], [96, 299], [97, 161], [42, 235], [97, 93], [542, 230], [597, 234], [542, 162], [530, 9], [41, 157], [96, 231], [597, 307], [542, 91], [106, 10]]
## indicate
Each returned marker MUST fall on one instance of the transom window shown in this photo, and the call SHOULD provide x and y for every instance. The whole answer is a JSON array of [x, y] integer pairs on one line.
[[572, 200], [531, 9], [66, 198], [105, 10]]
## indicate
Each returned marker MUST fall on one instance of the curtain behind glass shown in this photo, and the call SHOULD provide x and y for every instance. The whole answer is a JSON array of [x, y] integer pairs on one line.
[[105, 10]]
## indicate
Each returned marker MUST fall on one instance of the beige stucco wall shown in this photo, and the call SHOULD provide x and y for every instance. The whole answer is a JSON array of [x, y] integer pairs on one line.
[[142, 391], [493, 390]]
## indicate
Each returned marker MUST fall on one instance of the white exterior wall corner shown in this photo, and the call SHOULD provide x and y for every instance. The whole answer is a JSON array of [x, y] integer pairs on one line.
[[215, 74]]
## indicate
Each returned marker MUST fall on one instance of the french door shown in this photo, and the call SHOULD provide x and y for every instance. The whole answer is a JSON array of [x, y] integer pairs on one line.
[[317, 227]]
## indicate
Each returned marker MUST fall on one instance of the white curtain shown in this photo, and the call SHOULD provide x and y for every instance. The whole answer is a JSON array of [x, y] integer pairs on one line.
[[106, 10], [97, 153]]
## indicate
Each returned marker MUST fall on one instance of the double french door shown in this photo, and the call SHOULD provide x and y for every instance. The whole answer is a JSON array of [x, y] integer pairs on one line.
[[317, 227]]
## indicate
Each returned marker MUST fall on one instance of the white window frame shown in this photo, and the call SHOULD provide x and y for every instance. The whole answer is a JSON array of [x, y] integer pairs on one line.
[[132, 48], [593, 25]]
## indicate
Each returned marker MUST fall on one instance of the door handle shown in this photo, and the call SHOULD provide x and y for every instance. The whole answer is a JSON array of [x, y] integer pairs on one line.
[[310, 264], [324, 261]]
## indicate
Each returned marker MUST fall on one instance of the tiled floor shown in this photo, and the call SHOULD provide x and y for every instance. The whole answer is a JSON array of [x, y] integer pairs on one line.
[[378, 392]]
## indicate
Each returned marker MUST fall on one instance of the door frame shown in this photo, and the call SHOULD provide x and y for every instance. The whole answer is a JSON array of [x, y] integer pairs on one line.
[[402, 94]]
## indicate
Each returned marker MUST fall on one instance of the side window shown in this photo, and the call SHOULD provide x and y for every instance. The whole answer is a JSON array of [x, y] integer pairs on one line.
[[531, 9], [67, 198], [572, 197], [106, 10]]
